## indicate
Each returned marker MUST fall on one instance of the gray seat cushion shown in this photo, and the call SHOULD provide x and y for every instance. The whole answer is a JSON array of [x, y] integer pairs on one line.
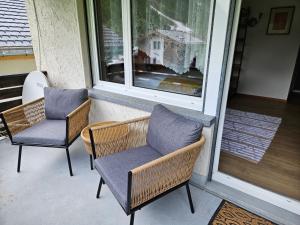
[[47, 132], [114, 169], [169, 131], [60, 102]]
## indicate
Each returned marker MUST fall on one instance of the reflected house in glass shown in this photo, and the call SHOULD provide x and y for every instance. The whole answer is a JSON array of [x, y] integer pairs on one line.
[[169, 42], [177, 52]]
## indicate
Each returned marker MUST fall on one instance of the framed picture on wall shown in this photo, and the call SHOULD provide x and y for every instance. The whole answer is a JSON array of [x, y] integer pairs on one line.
[[280, 20]]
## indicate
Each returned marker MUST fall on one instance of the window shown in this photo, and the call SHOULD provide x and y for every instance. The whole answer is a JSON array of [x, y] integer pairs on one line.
[[158, 47], [154, 45], [182, 27], [110, 40]]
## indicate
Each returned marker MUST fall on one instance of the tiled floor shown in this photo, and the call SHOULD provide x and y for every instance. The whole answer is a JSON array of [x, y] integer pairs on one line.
[[44, 193]]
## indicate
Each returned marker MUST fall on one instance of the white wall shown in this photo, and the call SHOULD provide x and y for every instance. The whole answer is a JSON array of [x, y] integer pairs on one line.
[[61, 44], [17, 65], [269, 60]]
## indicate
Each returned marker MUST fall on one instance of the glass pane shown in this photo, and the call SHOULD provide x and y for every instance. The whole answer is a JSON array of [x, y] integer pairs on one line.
[[110, 39], [169, 39]]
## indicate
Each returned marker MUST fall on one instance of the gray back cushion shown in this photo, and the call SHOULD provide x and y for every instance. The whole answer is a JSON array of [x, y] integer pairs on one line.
[[169, 131], [60, 102]]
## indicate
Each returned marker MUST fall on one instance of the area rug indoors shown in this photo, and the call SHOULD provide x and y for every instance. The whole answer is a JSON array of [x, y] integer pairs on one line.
[[248, 135], [230, 214]]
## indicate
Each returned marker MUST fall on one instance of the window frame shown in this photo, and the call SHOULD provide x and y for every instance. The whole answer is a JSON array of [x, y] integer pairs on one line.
[[158, 45], [128, 88], [154, 45]]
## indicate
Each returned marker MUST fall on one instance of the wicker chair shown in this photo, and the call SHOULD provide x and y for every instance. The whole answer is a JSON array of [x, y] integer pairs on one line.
[[29, 125], [149, 162]]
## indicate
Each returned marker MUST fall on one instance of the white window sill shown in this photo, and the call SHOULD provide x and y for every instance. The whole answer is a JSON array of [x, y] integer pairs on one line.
[[147, 105], [174, 99]]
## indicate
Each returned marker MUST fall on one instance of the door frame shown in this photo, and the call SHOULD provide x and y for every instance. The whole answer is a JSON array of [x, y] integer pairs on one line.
[[281, 201], [295, 76]]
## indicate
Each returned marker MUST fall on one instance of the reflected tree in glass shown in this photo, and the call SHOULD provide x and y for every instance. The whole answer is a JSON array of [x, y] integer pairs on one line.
[[110, 40]]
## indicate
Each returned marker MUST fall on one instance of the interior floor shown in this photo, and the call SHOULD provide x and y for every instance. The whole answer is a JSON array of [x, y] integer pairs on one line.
[[279, 169]]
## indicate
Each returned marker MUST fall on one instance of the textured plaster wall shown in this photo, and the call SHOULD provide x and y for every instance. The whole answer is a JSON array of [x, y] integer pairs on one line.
[[107, 111], [104, 111], [60, 41], [202, 163]]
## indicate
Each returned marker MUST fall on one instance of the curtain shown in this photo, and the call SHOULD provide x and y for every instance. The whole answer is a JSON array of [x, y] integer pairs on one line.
[[180, 27]]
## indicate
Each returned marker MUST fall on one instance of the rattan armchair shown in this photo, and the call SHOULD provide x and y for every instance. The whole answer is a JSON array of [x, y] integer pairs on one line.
[[148, 176], [27, 125]]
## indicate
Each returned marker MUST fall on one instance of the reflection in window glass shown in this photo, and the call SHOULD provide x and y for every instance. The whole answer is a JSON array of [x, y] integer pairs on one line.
[[109, 26], [169, 40]]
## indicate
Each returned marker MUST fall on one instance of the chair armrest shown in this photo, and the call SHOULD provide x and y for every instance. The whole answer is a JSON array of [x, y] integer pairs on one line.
[[77, 120], [119, 136], [162, 174], [23, 116]]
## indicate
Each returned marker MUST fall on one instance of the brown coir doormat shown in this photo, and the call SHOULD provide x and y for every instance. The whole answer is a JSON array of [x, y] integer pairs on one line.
[[230, 214]]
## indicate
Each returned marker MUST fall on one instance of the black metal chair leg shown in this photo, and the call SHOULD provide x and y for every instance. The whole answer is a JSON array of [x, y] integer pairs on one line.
[[69, 162], [190, 197], [19, 158], [99, 187], [91, 162], [132, 219]]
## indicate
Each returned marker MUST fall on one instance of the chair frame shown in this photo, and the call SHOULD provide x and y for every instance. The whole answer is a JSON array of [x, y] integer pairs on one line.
[[85, 105], [129, 210]]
